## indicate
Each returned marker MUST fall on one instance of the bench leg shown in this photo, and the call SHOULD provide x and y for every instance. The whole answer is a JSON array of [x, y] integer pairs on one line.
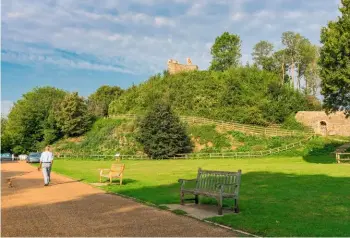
[[236, 208], [219, 205], [196, 199], [182, 198], [121, 180]]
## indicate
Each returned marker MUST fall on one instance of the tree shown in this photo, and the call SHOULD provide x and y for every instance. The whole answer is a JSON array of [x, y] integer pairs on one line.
[[99, 101], [28, 118], [300, 56], [72, 115], [262, 54], [292, 41], [312, 75], [5, 139], [162, 134], [226, 52], [335, 62], [280, 66]]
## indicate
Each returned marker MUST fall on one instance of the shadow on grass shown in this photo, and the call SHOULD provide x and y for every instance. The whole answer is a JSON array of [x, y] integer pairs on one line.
[[276, 204], [116, 182], [322, 155]]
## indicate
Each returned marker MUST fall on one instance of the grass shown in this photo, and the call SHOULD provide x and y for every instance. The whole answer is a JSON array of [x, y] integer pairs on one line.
[[280, 196]]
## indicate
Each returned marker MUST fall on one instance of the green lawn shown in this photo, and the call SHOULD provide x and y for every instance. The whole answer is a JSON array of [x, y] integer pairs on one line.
[[281, 196]]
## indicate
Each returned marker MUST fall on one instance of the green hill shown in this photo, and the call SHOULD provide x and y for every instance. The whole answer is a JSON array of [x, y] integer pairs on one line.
[[246, 95], [109, 136]]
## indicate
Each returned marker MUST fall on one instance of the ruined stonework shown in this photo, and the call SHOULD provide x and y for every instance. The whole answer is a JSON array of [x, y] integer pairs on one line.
[[175, 67], [323, 124]]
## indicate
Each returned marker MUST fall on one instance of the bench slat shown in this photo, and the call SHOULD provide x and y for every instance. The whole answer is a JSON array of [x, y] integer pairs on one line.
[[216, 184]]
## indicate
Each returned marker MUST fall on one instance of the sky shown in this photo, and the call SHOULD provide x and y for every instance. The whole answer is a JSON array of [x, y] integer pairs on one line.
[[80, 45]]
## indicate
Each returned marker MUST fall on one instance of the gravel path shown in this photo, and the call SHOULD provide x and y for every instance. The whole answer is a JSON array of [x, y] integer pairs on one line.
[[71, 208]]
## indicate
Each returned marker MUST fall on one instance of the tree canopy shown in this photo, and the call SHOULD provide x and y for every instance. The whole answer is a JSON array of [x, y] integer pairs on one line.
[[99, 101], [226, 52], [72, 115], [262, 53], [162, 134], [335, 61], [29, 118]]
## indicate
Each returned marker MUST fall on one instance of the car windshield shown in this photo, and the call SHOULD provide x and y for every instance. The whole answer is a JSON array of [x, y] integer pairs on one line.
[[6, 154], [34, 154]]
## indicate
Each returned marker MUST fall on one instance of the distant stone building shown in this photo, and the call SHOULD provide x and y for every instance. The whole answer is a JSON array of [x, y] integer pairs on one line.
[[175, 67], [323, 124]]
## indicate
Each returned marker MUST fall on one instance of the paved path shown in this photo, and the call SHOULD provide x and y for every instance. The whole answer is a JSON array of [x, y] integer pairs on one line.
[[71, 208]]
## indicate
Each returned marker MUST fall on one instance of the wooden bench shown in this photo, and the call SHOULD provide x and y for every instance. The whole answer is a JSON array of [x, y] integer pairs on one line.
[[215, 184], [116, 171]]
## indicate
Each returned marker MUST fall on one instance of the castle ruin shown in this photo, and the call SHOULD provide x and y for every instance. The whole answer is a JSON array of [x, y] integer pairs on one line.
[[323, 124], [175, 67]]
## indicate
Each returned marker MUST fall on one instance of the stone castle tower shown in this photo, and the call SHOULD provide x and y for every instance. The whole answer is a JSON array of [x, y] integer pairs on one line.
[[175, 67]]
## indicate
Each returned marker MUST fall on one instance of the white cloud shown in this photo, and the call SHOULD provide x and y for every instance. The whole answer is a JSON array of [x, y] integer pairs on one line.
[[238, 16], [265, 14], [196, 8], [294, 15], [6, 107], [163, 21], [114, 35]]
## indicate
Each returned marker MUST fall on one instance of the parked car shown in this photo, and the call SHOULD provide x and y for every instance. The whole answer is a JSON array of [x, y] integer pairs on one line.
[[6, 156], [33, 157], [23, 157]]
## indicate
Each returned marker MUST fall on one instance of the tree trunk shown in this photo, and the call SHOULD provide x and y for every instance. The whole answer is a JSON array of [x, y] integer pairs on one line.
[[293, 73]]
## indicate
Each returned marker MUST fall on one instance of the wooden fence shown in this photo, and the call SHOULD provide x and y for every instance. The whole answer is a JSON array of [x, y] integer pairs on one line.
[[250, 129], [232, 154], [342, 157]]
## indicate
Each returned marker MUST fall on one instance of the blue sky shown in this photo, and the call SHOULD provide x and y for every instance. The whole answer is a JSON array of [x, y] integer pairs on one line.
[[79, 45]]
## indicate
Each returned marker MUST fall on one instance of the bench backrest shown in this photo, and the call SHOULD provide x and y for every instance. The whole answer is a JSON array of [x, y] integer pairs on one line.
[[208, 180], [117, 169]]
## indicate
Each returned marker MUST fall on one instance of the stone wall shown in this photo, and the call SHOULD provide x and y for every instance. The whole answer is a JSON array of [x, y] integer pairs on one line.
[[323, 124], [175, 67]]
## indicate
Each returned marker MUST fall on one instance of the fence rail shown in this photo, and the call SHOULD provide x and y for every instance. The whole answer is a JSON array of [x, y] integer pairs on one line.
[[226, 125], [231, 154], [342, 157], [258, 130]]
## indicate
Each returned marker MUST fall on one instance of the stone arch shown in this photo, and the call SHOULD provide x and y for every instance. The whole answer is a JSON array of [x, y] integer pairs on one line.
[[323, 125]]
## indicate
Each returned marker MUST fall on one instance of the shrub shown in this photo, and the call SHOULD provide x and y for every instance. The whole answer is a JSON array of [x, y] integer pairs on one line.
[[162, 134], [292, 124]]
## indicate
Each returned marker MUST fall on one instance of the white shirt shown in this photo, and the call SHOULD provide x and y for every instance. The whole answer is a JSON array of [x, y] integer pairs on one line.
[[46, 157]]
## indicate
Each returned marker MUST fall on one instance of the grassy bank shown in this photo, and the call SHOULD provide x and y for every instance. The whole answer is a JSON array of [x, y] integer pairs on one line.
[[280, 196]]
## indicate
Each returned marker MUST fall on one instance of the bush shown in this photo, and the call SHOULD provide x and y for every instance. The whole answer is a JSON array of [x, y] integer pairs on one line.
[[162, 134], [292, 124]]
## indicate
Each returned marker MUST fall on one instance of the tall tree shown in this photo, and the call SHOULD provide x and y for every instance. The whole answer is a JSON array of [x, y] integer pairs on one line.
[[312, 74], [280, 66], [292, 41], [335, 62], [72, 115], [28, 118], [226, 52], [262, 54], [5, 139], [162, 134], [99, 101]]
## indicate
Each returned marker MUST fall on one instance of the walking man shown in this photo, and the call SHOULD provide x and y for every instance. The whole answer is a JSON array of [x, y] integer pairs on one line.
[[46, 161]]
